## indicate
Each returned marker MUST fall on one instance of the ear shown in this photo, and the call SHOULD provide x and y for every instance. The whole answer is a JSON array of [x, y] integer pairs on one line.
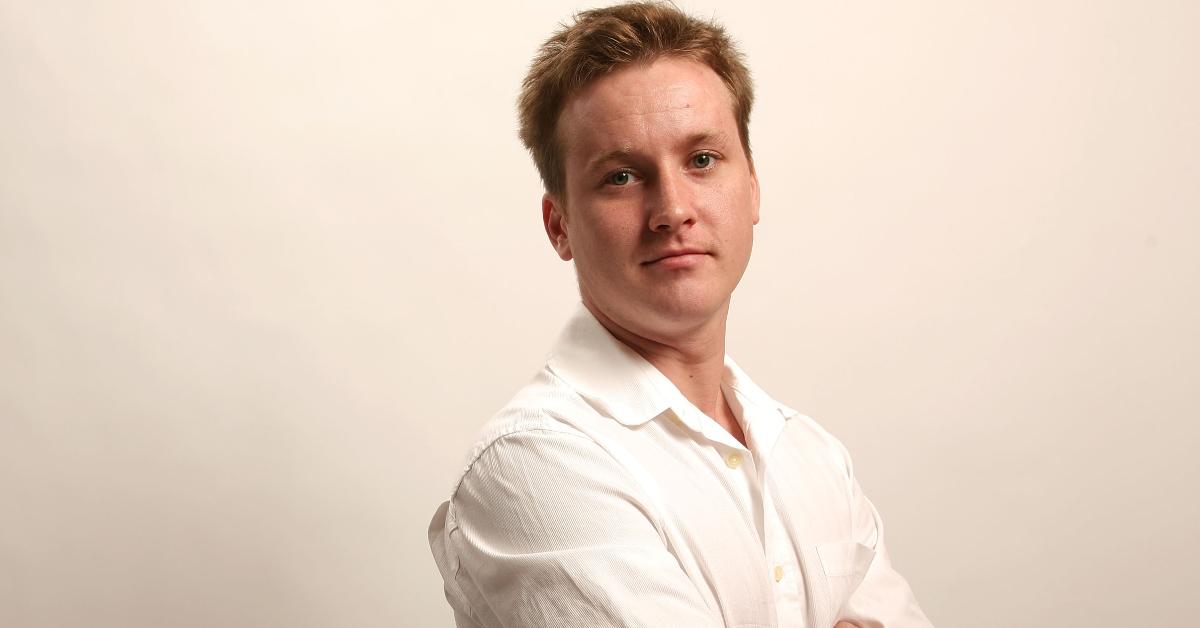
[[754, 192], [555, 222]]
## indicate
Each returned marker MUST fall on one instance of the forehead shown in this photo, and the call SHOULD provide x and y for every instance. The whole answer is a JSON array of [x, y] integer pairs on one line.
[[645, 105]]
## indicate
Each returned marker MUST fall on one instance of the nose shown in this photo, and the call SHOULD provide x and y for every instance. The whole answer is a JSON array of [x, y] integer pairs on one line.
[[672, 206]]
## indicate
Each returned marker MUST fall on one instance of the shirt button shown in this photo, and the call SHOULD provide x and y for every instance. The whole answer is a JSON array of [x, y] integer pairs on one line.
[[778, 573], [733, 460]]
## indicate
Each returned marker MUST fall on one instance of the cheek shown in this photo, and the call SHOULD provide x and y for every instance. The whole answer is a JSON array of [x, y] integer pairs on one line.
[[606, 240], [731, 212]]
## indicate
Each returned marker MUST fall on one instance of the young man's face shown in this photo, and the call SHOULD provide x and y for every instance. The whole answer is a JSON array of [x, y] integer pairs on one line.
[[660, 199]]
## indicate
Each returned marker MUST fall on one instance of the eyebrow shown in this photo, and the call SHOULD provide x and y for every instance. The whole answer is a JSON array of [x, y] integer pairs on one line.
[[612, 155], [617, 154]]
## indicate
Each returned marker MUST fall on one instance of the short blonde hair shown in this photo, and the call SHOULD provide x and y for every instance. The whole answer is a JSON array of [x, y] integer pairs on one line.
[[602, 40]]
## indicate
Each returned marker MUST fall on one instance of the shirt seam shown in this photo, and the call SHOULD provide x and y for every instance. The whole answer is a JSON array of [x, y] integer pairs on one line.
[[515, 430]]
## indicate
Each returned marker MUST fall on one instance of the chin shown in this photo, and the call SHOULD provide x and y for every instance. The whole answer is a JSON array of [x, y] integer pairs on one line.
[[676, 305], [686, 309]]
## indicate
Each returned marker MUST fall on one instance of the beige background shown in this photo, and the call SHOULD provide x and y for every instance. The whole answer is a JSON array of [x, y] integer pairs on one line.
[[265, 267]]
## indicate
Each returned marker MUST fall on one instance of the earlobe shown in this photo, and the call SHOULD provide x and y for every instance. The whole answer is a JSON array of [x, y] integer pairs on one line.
[[754, 197], [555, 222]]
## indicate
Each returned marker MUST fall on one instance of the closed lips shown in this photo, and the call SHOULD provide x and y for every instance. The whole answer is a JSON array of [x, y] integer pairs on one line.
[[676, 254]]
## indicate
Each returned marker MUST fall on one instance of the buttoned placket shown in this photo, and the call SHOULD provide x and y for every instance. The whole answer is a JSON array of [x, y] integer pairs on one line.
[[788, 584], [778, 556], [735, 457]]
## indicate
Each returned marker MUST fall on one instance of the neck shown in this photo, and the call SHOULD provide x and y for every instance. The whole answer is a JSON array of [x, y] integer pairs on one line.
[[692, 358]]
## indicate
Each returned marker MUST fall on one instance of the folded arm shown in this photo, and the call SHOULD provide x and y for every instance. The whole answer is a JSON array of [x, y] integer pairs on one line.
[[883, 599], [547, 529]]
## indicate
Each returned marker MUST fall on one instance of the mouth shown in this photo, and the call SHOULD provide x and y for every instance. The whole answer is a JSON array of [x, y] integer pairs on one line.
[[678, 258]]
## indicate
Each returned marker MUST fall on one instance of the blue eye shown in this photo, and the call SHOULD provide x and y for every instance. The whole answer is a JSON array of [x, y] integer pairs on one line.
[[620, 178], [703, 160]]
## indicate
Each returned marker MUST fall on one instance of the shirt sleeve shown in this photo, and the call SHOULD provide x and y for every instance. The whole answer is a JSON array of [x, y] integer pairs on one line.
[[883, 599], [547, 529]]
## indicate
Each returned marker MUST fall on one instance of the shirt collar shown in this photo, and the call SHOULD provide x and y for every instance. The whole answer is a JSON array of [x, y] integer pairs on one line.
[[609, 375], [763, 418], [621, 384]]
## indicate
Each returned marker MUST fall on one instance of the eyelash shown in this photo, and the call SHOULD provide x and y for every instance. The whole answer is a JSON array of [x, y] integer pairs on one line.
[[711, 155], [608, 178]]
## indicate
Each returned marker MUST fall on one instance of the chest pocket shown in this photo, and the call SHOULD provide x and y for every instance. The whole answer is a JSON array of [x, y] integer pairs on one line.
[[845, 564]]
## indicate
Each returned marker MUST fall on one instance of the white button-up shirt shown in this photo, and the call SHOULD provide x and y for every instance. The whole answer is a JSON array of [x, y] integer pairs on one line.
[[600, 496]]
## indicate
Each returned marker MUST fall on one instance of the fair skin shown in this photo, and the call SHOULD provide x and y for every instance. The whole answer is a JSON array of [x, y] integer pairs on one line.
[[658, 212]]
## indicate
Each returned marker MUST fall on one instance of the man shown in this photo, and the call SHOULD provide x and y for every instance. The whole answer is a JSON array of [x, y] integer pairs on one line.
[[642, 479]]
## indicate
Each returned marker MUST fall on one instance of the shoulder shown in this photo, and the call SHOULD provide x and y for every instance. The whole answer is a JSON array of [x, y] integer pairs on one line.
[[542, 425], [536, 474]]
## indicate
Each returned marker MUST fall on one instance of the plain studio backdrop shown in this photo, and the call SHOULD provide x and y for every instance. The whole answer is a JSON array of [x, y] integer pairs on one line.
[[266, 267]]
